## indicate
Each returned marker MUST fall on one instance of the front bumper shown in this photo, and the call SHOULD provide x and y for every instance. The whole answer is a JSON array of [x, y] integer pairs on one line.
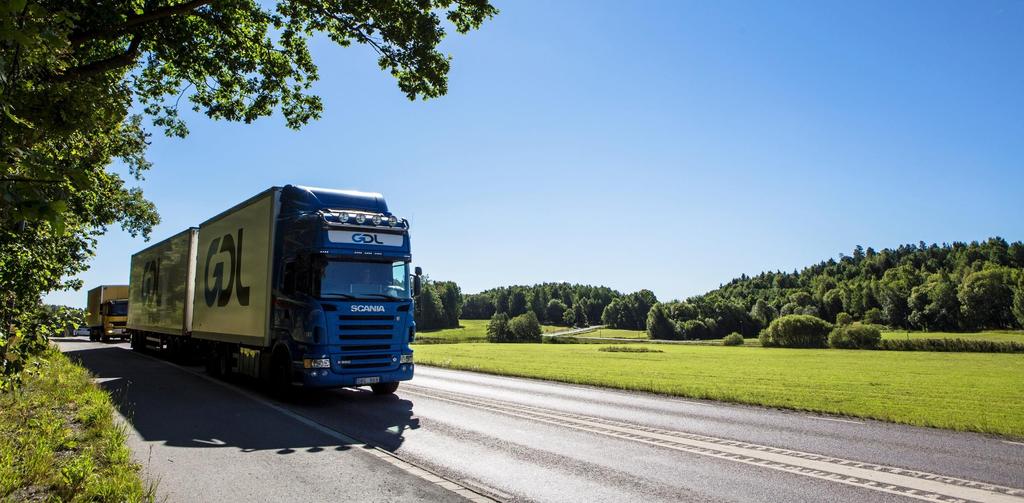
[[326, 378]]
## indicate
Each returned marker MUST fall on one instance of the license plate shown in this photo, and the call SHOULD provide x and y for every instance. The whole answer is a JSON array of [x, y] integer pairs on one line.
[[118, 331], [367, 380]]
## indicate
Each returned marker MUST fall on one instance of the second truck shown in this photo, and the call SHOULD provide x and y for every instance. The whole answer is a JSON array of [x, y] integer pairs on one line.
[[297, 286]]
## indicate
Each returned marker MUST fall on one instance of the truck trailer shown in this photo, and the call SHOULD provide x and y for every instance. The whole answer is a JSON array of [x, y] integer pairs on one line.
[[106, 312], [296, 286]]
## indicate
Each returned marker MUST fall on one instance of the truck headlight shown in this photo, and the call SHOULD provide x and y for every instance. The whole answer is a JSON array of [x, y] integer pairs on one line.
[[360, 218], [392, 220], [376, 220], [343, 217], [316, 363], [406, 359]]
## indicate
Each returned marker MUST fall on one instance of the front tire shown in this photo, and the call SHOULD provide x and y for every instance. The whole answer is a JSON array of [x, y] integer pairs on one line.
[[384, 388], [280, 375]]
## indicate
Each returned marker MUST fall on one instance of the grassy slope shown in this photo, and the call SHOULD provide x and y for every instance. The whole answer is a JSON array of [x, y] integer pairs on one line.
[[990, 335], [468, 331], [59, 441], [948, 390]]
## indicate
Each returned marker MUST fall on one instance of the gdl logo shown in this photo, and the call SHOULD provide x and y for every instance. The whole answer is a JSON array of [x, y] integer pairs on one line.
[[220, 291], [370, 239]]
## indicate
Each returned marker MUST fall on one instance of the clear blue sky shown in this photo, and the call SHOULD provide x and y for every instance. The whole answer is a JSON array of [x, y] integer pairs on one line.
[[664, 145]]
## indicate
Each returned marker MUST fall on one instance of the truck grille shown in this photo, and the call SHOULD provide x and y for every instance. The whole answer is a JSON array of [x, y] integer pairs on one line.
[[367, 342], [118, 323]]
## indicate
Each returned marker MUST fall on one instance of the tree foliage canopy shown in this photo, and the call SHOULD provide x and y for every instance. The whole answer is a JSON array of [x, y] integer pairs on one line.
[[959, 286], [78, 76]]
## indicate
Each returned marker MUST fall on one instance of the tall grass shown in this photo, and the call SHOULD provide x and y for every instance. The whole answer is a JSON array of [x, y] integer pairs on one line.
[[59, 440]]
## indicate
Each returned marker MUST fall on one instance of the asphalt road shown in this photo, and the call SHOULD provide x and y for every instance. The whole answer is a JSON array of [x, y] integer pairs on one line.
[[525, 440]]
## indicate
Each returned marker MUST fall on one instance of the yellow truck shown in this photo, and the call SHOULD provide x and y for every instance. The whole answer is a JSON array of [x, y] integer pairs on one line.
[[107, 312]]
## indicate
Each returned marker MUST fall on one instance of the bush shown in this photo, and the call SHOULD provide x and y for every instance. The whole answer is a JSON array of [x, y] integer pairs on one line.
[[693, 329], [796, 331], [873, 316], [951, 345], [659, 326], [855, 336], [733, 339], [844, 319], [497, 328], [524, 328]]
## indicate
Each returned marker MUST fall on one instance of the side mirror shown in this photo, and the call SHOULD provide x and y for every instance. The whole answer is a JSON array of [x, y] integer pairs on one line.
[[417, 284], [419, 271]]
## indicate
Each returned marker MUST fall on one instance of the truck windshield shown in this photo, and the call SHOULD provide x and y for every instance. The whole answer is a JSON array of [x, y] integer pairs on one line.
[[118, 308], [367, 280]]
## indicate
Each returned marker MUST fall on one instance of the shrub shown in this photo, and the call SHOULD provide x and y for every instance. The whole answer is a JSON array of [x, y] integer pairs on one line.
[[733, 339], [855, 336], [873, 316], [497, 328], [796, 331], [524, 328], [844, 319], [659, 326], [951, 345], [693, 329]]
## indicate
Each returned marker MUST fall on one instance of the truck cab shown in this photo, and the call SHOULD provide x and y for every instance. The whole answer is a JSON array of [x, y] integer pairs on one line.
[[107, 312], [343, 291]]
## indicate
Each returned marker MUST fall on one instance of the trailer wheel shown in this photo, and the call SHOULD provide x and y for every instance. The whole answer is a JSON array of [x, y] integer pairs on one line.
[[384, 388], [93, 335], [217, 362]]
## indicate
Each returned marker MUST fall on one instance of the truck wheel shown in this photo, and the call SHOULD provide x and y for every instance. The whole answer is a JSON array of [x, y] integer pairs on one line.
[[217, 363], [105, 338], [93, 336], [280, 374], [384, 388]]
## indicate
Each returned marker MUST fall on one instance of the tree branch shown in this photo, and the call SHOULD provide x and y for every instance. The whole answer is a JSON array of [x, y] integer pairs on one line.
[[104, 65], [138, 20]]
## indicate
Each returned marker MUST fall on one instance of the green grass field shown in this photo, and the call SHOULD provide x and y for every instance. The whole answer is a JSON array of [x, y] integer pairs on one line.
[[988, 335], [468, 331], [960, 391]]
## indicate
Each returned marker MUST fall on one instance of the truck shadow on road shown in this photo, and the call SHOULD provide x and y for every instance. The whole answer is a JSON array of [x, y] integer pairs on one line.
[[167, 404]]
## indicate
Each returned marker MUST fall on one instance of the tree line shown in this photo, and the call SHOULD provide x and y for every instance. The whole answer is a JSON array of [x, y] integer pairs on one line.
[[566, 304], [948, 287]]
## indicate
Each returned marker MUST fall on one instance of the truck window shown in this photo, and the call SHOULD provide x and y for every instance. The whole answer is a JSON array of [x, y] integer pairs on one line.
[[118, 308], [365, 279]]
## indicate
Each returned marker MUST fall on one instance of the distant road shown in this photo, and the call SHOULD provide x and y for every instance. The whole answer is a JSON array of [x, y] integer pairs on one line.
[[525, 440]]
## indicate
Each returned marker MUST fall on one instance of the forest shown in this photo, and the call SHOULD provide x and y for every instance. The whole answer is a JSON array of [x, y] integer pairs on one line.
[[948, 287]]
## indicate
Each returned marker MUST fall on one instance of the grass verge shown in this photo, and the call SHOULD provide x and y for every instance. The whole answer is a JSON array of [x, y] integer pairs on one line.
[[961, 391], [59, 440]]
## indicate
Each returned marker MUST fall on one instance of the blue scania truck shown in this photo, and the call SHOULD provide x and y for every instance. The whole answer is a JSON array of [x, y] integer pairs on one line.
[[296, 286]]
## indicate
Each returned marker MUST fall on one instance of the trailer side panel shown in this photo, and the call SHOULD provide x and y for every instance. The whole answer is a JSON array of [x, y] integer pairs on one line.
[[160, 286], [233, 273]]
